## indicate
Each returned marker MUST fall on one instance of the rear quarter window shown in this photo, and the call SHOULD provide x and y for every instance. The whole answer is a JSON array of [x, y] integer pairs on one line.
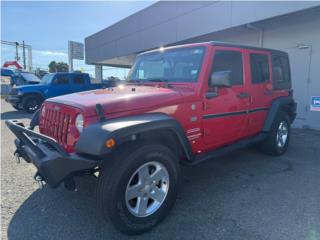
[[281, 72]]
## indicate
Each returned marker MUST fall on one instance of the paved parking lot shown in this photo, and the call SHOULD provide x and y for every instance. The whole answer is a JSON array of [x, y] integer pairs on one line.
[[245, 195]]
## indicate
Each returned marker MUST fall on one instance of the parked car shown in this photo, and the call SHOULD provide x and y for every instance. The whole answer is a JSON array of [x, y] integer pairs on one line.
[[7, 72], [24, 78], [30, 97], [183, 104], [19, 77], [6, 76]]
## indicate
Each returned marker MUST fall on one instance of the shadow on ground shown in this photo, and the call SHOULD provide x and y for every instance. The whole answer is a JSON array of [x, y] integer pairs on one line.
[[15, 115]]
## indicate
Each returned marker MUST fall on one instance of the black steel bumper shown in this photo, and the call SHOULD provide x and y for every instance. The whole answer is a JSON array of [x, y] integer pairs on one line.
[[54, 164]]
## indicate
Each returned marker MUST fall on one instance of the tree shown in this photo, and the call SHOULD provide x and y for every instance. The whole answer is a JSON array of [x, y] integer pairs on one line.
[[52, 67], [58, 67]]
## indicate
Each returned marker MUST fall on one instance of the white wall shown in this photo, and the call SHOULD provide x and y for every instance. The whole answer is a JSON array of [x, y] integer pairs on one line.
[[167, 22]]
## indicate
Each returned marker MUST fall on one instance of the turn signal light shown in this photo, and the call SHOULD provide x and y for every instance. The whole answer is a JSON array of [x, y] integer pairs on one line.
[[110, 143]]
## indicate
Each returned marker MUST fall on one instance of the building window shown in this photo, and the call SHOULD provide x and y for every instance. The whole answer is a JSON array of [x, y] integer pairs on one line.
[[259, 68], [229, 61]]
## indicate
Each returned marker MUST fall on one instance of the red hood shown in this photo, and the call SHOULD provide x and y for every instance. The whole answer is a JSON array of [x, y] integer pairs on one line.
[[120, 99]]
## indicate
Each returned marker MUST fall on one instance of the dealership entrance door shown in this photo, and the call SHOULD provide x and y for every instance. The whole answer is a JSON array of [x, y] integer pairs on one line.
[[299, 62]]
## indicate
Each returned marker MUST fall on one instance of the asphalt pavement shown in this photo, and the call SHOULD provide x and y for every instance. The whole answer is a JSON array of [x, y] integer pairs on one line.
[[245, 195]]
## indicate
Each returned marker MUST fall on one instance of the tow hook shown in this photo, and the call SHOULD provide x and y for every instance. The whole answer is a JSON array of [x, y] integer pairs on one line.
[[17, 156], [70, 184], [39, 180]]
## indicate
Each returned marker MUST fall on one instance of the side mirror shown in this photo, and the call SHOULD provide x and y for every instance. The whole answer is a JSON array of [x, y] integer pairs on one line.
[[220, 79]]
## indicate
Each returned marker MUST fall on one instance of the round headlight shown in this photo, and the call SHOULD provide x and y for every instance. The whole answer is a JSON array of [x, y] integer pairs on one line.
[[79, 122], [43, 110]]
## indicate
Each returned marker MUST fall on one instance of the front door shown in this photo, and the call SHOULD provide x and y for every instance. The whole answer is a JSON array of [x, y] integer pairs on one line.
[[59, 86], [225, 115]]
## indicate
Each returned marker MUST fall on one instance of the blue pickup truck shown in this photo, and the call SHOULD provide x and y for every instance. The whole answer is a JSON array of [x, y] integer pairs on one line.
[[30, 97]]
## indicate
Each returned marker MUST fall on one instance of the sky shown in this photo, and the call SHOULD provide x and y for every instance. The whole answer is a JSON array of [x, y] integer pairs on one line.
[[48, 26]]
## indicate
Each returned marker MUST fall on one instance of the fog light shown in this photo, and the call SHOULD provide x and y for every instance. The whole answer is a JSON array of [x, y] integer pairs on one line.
[[110, 143]]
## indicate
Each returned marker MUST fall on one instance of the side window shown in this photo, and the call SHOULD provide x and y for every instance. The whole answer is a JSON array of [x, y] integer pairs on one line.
[[79, 79], [62, 79], [259, 68], [280, 72], [229, 61]]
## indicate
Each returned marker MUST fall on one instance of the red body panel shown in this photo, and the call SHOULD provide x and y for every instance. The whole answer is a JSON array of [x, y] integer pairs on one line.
[[186, 102]]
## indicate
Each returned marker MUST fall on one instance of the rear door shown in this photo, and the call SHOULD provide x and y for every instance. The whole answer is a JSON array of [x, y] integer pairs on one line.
[[260, 88], [225, 118]]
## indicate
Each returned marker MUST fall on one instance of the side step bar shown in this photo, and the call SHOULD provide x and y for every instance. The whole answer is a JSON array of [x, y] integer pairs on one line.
[[227, 149]]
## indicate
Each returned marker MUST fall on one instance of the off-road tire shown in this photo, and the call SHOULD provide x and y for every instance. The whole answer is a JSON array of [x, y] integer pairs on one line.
[[115, 175], [31, 103], [270, 145]]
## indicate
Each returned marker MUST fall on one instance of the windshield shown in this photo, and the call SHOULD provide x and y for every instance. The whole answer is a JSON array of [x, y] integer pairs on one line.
[[47, 79], [176, 65], [30, 77]]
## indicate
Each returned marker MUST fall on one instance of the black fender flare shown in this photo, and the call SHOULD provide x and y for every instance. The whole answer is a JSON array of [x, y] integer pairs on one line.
[[35, 119], [280, 104], [38, 94], [93, 138]]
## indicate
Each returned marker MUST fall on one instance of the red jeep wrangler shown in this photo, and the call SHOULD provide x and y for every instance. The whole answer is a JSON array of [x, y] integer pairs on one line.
[[182, 104]]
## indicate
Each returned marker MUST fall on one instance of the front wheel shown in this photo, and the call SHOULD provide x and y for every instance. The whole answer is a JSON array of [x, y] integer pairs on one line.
[[138, 187], [31, 103], [278, 139]]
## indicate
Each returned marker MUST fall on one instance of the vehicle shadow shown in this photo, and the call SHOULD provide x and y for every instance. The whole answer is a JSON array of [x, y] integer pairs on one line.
[[204, 208], [15, 115]]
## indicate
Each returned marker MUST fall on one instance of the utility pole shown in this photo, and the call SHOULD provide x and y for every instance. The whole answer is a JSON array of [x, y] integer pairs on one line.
[[17, 58], [17, 52], [70, 56], [24, 56]]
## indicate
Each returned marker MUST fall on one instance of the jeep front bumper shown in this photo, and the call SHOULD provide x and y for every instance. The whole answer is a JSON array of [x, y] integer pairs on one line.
[[54, 164]]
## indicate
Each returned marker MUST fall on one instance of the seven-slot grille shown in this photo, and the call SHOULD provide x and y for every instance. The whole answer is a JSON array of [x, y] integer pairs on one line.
[[56, 124]]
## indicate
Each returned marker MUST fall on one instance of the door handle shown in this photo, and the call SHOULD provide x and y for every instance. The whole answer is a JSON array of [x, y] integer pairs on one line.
[[243, 95]]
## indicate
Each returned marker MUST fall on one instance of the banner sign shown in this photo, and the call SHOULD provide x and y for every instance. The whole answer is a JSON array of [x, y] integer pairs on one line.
[[76, 50]]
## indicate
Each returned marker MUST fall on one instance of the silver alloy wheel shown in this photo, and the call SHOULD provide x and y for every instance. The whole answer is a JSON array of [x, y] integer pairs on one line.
[[282, 134], [147, 189]]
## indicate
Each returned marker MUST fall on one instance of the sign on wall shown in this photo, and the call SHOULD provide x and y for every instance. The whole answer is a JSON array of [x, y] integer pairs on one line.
[[315, 103]]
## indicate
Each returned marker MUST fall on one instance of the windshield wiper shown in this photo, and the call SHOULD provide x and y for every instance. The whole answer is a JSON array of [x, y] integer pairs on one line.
[[156, 80], [138, 82]]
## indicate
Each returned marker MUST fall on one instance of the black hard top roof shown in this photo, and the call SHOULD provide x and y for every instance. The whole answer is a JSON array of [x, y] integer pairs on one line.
[[227, 44]]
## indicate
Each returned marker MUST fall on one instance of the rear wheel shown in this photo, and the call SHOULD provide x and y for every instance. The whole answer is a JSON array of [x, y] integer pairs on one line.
[[278, 139], [31, 103], [138, 187]]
